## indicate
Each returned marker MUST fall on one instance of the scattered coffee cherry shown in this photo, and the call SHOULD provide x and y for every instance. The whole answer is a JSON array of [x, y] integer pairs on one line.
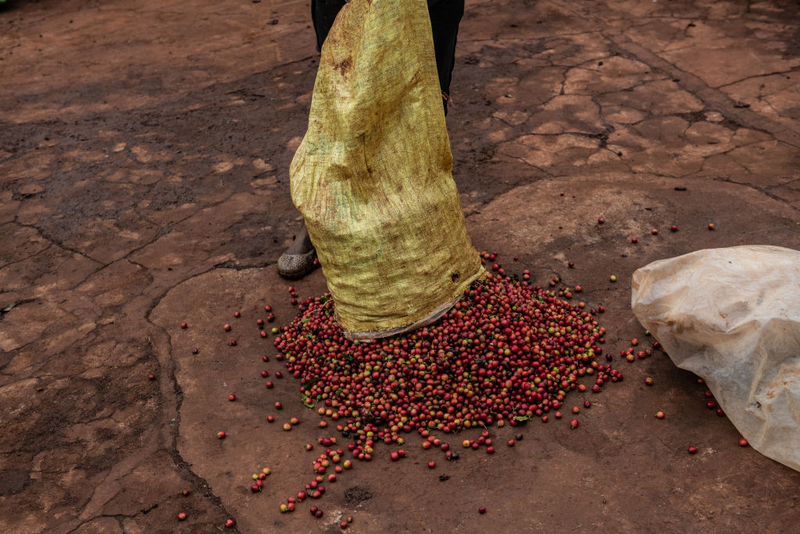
[[231, 397], [343, 525], [237, 314], [692, 449], [278, 406], [270, 419], [221, 435], [601, 220], [182, 516], [612, 278], [587, 403], [743, 443], [227, 327], [184, 325], [720, 412], [673, 228], [229, 523], [654, 231], [186, 492], [195, 350], [634, 240], [575, 409], [263, 333], [287, 426], [267, 308], [710, 226], [431, 464], [649, 381], [573, 424], [482, 510], [275, 330], [511, 443], [660, 415], [269, 385], [294, 421], [571, 265], [151, 377], [233, 342]]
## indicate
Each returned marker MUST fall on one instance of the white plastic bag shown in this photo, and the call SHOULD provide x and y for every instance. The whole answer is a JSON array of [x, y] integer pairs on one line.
[[732, 316]]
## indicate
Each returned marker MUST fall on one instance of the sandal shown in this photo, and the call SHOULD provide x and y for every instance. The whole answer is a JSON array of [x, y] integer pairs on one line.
[[295, 266]]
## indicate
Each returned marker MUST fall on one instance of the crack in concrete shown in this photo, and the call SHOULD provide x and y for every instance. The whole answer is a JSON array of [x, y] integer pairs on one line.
[[184, 468], [56, 241], [762, 190], [28, 257], [776, 73]]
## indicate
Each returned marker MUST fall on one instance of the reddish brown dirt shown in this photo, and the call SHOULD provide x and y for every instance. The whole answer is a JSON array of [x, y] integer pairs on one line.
[[144, 153]]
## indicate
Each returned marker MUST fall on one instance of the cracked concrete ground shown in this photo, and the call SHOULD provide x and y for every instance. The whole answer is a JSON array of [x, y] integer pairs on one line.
[[144, 153]]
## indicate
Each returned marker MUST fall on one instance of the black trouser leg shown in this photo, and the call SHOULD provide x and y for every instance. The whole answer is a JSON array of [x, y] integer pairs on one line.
[[445, 18], [323, 13]]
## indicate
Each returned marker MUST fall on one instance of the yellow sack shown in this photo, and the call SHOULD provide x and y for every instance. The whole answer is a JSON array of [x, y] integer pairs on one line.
[[373, 175]]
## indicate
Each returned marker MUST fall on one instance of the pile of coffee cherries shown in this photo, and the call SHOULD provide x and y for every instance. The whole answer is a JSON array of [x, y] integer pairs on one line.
[[507, 352]]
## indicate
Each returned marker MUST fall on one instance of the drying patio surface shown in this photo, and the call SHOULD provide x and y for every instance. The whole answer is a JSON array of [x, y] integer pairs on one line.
[[144, 154]]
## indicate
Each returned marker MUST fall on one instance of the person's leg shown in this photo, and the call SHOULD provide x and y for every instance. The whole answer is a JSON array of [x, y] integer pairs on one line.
[[323, 13], [445, 18], [298, 260]]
